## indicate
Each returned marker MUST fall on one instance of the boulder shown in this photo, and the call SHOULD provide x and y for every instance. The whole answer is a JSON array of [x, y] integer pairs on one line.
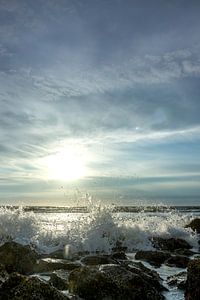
[[18, 258], [92, 260], [52, 264], [179, 261], [155, 258], [149, 275], [118, 255], [111, 282], [59, 279], [119, 247], [193, 280], [186, 252], [178, 280], [171, 244], [55, 254], [194, 225], [3, 274], [19, 287]]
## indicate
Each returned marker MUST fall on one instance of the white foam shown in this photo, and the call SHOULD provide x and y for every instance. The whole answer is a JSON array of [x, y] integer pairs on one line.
[[98, 230]]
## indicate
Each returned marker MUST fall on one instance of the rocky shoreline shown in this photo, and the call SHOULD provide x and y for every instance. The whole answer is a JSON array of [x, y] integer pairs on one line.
[[98, 276]]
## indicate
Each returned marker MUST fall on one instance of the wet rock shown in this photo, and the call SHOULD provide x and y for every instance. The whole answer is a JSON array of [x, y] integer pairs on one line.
[[171, 244], [68, 253], [178, 280], [19, 287], [51, 264], [179, 261], [193, 280], [111, 282], [119, 247], [118, 255], [18, 258], [56, 254], [186, 252], [59, 279], [93, 260], [194, 224], [149, 275], [3, 274], [155, 258]]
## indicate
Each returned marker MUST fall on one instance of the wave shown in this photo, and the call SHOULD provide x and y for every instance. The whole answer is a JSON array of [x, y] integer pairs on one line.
[[100, 229]]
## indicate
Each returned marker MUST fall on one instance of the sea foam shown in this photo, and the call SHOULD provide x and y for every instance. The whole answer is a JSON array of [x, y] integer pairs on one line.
[[98, 230]]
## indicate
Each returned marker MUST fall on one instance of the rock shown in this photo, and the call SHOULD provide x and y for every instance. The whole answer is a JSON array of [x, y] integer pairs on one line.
[[118, 255], [18, 258], [155, 258], [51, 264], [179, 261], [171, 244], [56, 254], [195, 225], [93, 260], [119, 247], [19, 287], [111, 282], [178, 280], [186, 252], [3, 274], [59, 279], [149, 275], [193, 280]]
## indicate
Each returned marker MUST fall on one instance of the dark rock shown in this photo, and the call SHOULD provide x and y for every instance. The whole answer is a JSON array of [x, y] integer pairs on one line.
[[111, 282], [119, 247], [193, 280], [179, 261], [51, 264], [181, 285], [171, 244], [56, 254], [19, 287], [149, 275], [195, 225], [93, 260], [3, 274], [59, 279], [118, 256], [178, 280], [155, 258], [186, 252], [18, 258]]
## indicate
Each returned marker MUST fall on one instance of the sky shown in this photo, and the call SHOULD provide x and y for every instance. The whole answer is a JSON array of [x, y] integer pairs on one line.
[[99, 99]]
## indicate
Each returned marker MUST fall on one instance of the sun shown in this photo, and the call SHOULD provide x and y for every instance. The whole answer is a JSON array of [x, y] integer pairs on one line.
[[66, 165]]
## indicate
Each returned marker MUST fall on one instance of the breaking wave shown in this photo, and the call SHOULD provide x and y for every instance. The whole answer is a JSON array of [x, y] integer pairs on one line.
[[100, 229]]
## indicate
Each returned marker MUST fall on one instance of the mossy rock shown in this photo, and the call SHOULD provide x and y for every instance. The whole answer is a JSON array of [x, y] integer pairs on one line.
[[18, 258], [19, 287], [155, 258], [111, 282], [193, 280]]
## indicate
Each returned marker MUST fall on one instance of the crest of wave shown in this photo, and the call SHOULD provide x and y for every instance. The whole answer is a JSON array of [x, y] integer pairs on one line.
[[100, 230], [17, 225]]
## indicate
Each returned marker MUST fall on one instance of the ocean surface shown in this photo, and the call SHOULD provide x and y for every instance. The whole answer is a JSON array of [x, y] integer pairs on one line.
[[99, 228]]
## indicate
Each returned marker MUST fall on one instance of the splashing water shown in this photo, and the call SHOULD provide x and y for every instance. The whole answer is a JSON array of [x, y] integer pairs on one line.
[[100, 229]]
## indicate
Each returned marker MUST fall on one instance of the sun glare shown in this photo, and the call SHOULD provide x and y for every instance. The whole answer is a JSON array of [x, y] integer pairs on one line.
[[66, 165]]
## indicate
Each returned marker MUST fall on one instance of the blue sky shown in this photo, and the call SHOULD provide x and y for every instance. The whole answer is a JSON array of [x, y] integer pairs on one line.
[[107, 91]]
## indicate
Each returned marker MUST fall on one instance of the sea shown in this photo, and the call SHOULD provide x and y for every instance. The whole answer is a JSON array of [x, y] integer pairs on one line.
[[98, 228]]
